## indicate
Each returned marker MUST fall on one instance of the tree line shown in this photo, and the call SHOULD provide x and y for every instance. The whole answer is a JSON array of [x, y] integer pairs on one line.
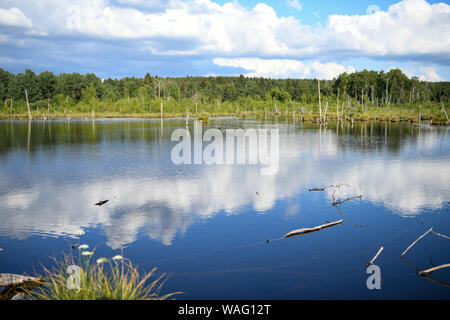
[[380, 88]]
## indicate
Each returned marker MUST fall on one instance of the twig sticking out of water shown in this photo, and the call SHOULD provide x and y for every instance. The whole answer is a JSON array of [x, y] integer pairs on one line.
[[298, 232], [336, 202], [420, 273], [412, 244], [376, 256], [336, 188]]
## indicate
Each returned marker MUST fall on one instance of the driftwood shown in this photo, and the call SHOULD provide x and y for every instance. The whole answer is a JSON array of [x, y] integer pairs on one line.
[[424, 272], [10, 279], [376, 256], [302, 231]]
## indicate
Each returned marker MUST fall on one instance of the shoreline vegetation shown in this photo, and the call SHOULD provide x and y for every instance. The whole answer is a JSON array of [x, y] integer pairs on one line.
[[432, 117], [360, 96], [81, 277]]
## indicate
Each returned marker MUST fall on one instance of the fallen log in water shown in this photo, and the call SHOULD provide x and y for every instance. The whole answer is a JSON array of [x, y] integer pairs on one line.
[[299, 232], [10, 280]]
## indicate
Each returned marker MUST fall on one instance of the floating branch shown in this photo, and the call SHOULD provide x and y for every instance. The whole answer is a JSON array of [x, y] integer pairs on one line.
[[102, 202], [321, 189], [424, 272], [376, 256], [298, 232], [412, 244]]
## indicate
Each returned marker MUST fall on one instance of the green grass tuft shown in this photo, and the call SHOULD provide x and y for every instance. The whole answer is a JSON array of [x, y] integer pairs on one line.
[[110, 280]]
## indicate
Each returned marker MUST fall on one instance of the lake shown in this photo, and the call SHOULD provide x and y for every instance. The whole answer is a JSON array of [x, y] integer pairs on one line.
[[208, 225]]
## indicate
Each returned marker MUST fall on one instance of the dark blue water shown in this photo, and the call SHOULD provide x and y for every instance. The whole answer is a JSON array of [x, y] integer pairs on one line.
[[207, 225]]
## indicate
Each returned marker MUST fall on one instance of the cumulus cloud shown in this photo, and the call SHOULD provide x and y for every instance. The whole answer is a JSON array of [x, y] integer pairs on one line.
[[430, 74], [409, 27], [372, 9], [424, 73], [14, 17], [412, 30], [157, 5], [294, 4], [284, 68]]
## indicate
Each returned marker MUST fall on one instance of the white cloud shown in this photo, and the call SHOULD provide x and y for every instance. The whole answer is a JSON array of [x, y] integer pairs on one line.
[[409, 27], [424, 73], [284, 68], [14, 17], [430, 74], [372, 9], [150, 4], [294, 4], [411, 30]]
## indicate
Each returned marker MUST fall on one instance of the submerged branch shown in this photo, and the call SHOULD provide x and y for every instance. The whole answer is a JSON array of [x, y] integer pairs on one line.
[[346, 218], [439, 235], [426, 276]]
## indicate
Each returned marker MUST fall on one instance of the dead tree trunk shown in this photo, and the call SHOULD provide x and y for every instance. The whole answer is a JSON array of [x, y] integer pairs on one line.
[[320, 104], [28, 105]]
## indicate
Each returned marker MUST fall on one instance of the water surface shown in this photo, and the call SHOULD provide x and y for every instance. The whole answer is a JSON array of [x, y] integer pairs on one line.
[[207, 225]]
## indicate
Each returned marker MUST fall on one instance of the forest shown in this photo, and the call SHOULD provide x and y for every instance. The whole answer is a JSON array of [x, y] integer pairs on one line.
[[360, 94]]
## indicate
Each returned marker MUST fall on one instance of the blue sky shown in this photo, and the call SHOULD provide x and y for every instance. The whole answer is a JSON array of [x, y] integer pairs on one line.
[[277, 39]]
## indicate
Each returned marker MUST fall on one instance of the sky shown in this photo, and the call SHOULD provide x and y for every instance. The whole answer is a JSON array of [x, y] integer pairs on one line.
[[275, 39]]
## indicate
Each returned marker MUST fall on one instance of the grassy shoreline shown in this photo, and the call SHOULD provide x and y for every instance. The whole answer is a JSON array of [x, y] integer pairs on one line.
[[373, 115]]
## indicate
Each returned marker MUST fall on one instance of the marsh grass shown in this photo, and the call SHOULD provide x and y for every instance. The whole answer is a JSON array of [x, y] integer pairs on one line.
[[110, 280]]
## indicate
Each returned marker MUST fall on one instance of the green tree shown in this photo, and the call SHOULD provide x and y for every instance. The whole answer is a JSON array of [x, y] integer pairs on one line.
[[47, 84]]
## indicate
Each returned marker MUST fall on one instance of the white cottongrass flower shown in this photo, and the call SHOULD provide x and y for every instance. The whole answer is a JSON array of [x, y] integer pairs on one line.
[[83, 246], [87, 253], [118, 257], [79, 232], [101, 260]]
